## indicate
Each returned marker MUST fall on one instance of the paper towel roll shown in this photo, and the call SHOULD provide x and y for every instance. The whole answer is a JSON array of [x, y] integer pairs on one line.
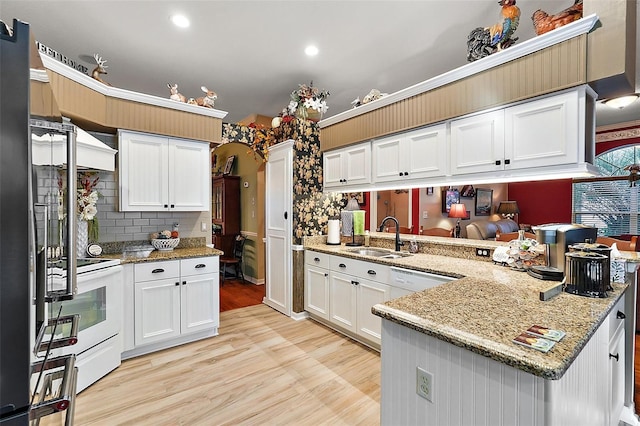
[[333, 231], [358, 222]]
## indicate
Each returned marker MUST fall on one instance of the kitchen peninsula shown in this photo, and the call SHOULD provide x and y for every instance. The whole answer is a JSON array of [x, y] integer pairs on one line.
[[461, 333]]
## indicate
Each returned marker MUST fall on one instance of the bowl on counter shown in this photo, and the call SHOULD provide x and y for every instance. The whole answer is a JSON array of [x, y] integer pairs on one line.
[[137, 252], [166, 244]]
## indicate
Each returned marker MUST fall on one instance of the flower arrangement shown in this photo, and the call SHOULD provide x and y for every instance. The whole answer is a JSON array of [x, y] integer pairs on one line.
[[306, 99], [87, 199]]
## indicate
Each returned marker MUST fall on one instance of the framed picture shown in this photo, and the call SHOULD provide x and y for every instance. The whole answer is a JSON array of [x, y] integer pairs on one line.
[[484, 199], [430, 190], [467, 191], [360, 197], [449, 196], [229, 164]]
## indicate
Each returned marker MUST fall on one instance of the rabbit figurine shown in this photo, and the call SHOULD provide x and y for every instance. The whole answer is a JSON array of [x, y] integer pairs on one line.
[[208, 99], [175, 95]]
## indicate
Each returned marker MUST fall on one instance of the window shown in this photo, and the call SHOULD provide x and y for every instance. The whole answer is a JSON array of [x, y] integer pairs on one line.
[[609, 203]]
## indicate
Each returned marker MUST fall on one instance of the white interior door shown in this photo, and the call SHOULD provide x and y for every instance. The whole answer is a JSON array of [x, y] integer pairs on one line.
[[279, 231]]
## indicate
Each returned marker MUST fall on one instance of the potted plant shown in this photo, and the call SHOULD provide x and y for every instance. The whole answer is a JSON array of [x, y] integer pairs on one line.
[[308, 102]]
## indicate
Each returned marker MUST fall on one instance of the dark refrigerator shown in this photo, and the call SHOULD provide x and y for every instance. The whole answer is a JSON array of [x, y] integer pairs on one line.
[[28, 374]]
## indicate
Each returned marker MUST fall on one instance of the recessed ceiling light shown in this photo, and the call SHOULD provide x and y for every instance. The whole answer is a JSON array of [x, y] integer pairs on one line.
[[311, 50], [180, 21], [622, 101]]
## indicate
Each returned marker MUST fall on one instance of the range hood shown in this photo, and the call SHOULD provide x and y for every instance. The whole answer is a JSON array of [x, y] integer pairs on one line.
[[91, 154]]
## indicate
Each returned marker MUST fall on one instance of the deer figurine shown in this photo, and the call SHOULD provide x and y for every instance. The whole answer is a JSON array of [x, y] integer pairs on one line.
[[208, 99], [175, 95], [101, 68]]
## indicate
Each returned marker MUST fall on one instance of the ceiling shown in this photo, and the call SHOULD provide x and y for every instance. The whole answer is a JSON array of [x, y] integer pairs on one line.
[[251, 53]]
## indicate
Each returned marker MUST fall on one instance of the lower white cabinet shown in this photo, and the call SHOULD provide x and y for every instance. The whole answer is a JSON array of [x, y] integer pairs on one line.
[[337, 293], [174, 302]]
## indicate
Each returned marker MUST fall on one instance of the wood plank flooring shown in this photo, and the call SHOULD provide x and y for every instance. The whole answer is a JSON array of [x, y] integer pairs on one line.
[[236, 294], [263, 368]]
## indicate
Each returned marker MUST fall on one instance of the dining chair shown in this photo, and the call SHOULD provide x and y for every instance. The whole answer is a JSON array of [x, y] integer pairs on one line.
[[234, 260], [620, 244], [438, 232], [508, 236]]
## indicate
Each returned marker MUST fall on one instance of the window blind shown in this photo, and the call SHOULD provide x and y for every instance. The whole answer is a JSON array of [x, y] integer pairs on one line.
[[612, 206]]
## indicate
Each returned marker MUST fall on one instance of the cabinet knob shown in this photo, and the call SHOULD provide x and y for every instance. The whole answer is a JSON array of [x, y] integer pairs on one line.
[[177, 283], [184, 283], [342, 265], [371, 272], [498, 162], [200, 265], [173, 206], [166, 206], [355, 282], [620, 315], [507, 161], [616, 356], [157, 271], [400, 174], [326, 275], [316, 259], [286, 215], [406, 173]]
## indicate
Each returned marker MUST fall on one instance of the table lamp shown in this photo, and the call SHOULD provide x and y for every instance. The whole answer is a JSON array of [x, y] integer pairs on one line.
[[458, 211], [508, 209]]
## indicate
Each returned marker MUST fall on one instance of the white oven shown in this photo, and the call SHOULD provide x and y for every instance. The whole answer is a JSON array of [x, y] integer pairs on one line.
[[98, 303]]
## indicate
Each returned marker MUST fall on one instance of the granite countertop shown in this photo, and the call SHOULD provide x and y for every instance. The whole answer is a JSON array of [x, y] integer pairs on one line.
[[488, 306], [177, 253]]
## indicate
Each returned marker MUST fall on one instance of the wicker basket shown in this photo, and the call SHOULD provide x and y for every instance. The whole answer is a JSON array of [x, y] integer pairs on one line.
[[166, 244]]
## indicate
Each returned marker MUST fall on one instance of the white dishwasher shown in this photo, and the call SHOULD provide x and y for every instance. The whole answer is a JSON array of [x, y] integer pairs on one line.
[[407, 281]]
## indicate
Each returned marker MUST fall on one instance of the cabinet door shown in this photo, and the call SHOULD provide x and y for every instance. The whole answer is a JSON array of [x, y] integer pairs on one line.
[[388, 159], [370, 293], [142, 165], [157, 310], [477, 143], [189, 173], [316, 291], [342, 300], [425, 152], [617, 376], [200, 303], [543, 132], [357, 164], [332, 169]]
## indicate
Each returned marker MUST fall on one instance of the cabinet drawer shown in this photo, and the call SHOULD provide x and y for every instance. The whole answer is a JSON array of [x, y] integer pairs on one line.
[[371, 271], [314, 258], [200, 265], [157, 270], [614, 321]]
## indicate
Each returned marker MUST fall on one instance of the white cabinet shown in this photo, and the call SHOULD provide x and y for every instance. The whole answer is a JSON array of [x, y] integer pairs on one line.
[[341, 291], [279, 227], [316, 282], [157, 173], [409, 156], [546, 132], [174, 299], [616, 365], [347, 167]]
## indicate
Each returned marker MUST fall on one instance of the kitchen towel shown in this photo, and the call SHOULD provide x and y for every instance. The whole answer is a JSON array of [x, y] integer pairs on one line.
[[358, 222], [347, 223]]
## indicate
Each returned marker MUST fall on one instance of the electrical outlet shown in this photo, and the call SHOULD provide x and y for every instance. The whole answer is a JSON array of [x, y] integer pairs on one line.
[[203, 226], [483, 252], [424, 384], [425, 214]]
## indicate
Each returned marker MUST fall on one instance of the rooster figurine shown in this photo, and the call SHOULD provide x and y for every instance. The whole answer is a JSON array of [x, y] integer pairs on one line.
[[483, 42], [543, 22]]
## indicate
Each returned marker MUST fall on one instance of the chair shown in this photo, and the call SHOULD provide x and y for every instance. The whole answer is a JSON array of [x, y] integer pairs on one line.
[[403, 229], [508, 236], [235, 259], [437, 232], [620, 244]]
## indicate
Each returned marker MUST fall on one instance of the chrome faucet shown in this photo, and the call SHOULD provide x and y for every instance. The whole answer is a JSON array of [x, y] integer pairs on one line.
[[398, 242]]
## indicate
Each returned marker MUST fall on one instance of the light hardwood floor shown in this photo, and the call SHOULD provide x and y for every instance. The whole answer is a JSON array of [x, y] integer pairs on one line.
[[263, 368]]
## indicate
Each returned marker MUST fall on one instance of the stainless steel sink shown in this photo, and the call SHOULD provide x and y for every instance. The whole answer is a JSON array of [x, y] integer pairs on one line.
[[378, 252], [370, 252]]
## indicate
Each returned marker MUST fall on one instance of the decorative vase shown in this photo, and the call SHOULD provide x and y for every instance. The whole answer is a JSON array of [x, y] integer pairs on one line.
[[308, 114], [82, 240]]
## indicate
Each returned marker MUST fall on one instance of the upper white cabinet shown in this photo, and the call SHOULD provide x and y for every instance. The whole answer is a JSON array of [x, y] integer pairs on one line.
[[414, 155], [158, 173], [347, 167], [549, 131]]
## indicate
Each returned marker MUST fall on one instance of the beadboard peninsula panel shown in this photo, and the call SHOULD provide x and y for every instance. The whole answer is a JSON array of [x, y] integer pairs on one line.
[[42, 102], [76, 100], [555, 68]]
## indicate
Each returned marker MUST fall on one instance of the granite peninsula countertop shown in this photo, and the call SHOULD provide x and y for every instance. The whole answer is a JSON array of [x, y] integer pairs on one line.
[[487, 306], [177, 253]]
